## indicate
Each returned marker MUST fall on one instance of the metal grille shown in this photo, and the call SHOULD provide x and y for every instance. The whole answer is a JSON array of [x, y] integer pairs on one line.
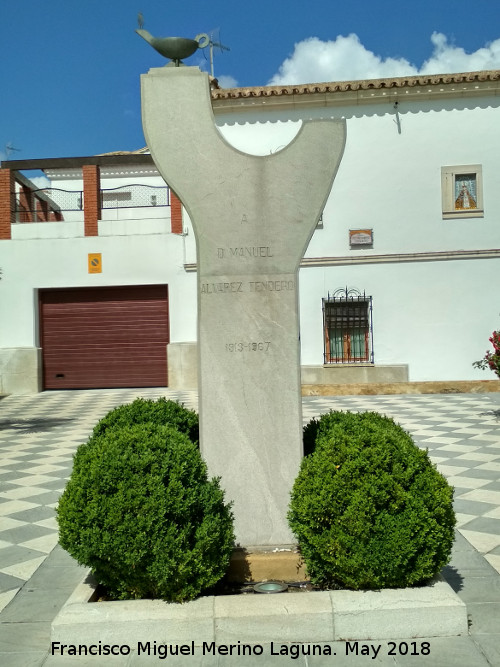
[[128, 196], [347, 326], [61, 200], [135, 196]]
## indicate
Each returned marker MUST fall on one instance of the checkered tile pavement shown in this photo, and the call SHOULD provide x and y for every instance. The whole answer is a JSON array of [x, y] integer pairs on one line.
[[38, 436], [462, 434], [40, 433]]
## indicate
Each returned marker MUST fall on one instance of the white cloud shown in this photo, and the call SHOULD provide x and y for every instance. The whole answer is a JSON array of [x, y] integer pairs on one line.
[[227, 81], [41, 182], [345, 58], [447, 58]]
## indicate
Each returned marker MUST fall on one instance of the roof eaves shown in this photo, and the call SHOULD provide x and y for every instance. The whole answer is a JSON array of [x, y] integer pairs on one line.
[[78, 162], [362, 84]]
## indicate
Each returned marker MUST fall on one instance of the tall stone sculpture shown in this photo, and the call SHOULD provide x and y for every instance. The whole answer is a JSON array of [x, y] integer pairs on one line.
[[253, 218]]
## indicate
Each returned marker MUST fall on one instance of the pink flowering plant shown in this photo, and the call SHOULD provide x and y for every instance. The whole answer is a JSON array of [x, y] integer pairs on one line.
[[491, 360]]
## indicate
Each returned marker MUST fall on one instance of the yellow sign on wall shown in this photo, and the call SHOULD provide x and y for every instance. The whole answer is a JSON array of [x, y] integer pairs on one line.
[[95, 262]]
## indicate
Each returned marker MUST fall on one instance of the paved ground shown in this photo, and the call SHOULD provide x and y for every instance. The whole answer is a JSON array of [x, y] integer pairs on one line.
[[40, 433]]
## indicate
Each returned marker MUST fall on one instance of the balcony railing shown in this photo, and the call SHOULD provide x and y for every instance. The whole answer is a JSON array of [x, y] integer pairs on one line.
[[135, 196], [50, 203]]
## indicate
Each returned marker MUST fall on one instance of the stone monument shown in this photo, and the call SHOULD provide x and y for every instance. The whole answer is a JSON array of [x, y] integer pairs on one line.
[[253, 218]]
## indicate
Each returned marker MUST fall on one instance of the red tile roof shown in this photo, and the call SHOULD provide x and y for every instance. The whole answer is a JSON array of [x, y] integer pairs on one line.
[[345, 86]]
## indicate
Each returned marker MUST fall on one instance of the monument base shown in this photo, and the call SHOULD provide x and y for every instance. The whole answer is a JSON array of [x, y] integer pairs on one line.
[[309, 617], [254, 564]]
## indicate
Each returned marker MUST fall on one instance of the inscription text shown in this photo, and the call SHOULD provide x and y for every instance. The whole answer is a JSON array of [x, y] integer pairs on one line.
[[244, 252], [262, 346], [221, 288], [272, 286]]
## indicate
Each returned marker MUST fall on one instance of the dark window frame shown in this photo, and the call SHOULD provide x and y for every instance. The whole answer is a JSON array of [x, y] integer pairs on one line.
[[347, 327]]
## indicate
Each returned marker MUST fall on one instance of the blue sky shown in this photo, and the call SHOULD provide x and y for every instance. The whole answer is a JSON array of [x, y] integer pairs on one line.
[[69, 71]]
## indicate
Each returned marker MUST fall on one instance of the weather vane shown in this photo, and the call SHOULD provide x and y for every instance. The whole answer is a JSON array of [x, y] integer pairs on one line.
[[175, 48]]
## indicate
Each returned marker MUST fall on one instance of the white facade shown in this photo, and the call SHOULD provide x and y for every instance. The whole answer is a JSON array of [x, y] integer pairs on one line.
[[434, 311], [433, 278]]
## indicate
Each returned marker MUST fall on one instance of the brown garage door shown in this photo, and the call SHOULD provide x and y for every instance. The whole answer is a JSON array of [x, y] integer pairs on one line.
[[104, 337]]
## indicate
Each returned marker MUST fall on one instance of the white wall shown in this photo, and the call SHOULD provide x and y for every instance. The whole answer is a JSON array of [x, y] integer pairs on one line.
[[137, 248], [126, 260], [434, 316], [390, 180]]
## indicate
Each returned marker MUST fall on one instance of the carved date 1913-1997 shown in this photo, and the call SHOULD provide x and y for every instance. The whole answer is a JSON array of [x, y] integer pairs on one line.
[[262, 346]]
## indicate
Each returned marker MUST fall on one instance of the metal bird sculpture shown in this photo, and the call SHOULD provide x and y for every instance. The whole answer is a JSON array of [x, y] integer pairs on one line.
[[175, 48]]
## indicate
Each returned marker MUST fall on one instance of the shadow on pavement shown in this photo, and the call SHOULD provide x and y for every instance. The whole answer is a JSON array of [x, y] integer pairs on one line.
[[34, 425]]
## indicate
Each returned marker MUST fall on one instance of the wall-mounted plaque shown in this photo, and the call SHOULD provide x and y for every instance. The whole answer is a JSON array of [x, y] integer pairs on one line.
[[360, 238]]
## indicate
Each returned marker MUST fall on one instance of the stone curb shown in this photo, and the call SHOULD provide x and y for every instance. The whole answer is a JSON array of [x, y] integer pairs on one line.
[[326, 616], [401, 388]]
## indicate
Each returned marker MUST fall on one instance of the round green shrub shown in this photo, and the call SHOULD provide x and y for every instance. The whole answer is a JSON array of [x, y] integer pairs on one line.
[[140, 511], [160, 412], [368, 507]]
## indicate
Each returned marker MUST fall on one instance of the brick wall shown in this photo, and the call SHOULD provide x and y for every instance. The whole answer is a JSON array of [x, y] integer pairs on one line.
[[175, 213], [42, 210], [91, 198], [7, 202], [26, 204]]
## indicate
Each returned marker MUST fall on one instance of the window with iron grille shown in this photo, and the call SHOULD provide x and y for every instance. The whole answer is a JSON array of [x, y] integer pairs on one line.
[[347, 327]]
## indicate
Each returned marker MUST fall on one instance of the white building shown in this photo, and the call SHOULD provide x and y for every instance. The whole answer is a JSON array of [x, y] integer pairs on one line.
[[399, 282]]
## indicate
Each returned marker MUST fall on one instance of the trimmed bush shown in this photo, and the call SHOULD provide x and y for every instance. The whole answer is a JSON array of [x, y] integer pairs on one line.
[[140, 511], [368, 507], [160, 412], [316, 430]]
